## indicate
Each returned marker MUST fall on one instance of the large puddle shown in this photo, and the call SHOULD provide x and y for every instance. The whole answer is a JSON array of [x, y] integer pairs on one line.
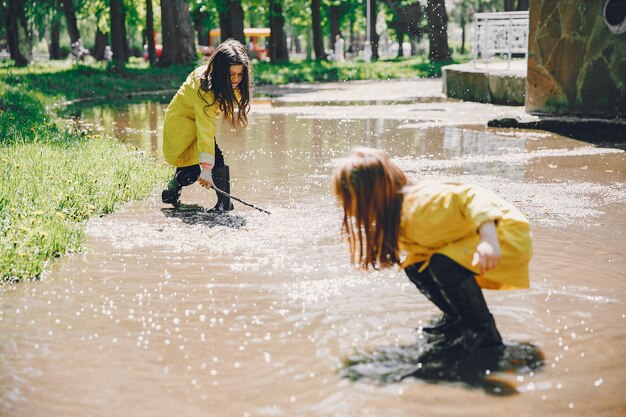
[[189, 314]]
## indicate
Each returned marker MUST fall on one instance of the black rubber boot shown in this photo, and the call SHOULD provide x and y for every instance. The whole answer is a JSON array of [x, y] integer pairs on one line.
[[221, 180], [448, 324], [478, 326], [172, 194]]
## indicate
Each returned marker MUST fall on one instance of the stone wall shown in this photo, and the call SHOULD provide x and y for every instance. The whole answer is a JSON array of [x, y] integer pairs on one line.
[[576, 65]]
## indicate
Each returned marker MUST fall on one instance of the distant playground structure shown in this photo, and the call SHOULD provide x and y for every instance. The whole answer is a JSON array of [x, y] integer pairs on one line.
[[256, 41]]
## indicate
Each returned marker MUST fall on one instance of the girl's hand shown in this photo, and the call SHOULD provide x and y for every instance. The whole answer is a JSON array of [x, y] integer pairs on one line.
[[488, 250], [205, 179]]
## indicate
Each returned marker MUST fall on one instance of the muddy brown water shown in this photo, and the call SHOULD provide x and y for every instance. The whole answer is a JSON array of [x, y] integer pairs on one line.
[[184, 313]]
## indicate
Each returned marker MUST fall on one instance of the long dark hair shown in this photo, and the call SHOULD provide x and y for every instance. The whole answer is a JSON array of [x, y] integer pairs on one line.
[[216, 79], [369, 188]]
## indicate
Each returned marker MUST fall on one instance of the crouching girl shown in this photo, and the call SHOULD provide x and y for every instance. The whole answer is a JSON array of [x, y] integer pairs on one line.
[[451, 240], [222, 86]]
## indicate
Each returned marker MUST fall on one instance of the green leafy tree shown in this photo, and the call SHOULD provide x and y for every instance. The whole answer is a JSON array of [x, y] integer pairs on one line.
[[178, 39], [316, 25], [118, 32], [374, 37], [18, 34], [437, 31], [231, 19], [405, 21], [278, 39], [71, 21], [152, 57]]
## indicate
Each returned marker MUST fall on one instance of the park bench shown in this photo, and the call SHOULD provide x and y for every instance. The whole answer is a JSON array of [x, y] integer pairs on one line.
[[500, 34]]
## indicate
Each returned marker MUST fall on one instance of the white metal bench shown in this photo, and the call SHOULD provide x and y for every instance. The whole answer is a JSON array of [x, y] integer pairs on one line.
[[500, 34]]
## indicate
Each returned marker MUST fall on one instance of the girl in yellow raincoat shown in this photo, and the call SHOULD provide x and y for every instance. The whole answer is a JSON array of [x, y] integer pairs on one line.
[[222, 86], [451, 239]]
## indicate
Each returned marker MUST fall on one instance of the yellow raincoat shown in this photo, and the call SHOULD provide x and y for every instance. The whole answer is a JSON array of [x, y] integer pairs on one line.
[[444, 218], [189, 127]]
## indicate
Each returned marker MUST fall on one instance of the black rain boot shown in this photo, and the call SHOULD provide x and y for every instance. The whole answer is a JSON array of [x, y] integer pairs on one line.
[[448, 324], [221, 180], [172, 194], [479, 327]]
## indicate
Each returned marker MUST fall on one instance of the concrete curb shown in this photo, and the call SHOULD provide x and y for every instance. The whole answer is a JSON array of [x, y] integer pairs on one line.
[[496, 85]]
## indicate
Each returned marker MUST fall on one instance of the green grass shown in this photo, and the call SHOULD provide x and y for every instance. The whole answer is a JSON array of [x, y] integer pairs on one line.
[[53, 179], [48, 190], [315, 71], [62, 80]]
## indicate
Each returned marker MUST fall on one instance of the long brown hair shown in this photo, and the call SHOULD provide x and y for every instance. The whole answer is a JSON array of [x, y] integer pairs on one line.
[[216, 78], [369, 187]]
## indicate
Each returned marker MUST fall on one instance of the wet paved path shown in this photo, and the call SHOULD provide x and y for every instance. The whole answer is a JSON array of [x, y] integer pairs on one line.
[[187, 314]]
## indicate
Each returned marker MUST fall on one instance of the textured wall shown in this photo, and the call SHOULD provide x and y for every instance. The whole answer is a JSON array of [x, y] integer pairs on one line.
[[575, 65]]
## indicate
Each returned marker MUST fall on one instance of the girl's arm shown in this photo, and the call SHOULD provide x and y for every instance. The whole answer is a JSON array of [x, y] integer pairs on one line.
[[488, 250]]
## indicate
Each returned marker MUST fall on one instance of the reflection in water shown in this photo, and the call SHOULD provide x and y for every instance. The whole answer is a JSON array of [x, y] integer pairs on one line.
[[197, 215], [423, 361], [138, 124]]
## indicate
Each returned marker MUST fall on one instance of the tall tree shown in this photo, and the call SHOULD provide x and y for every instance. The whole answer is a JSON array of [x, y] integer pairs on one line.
[[374, 38], [19, 38], [334, 17], [438, 31], [118, 40], [70, 18], [226, 25], [316, 23], [201, 24], [152, 58], [100, 44], [231, 20], [178, 42], [124, 32], [405, 21], [278, 39], [54, 47], [236, 11]]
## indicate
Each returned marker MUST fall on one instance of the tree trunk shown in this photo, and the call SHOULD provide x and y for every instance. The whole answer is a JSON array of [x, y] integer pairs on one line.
[[333, 19], [278, 39], [352, 48], [316, 21], [400, 36], [438, 31], [117, 32], [17, 33], [373, 34], [99, 45], [226, 26], [236, 12], [462, 24], [70, 17], [201, 24], [55, 36], [178, 42], [152, 58], [127, 52]]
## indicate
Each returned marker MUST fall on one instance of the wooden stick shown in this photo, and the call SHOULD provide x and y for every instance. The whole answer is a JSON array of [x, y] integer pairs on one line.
[[224, 193]]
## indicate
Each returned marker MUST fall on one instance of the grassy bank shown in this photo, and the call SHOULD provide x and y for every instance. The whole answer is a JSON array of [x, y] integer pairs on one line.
[[53, 179], [64, 81], [314, 71]]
